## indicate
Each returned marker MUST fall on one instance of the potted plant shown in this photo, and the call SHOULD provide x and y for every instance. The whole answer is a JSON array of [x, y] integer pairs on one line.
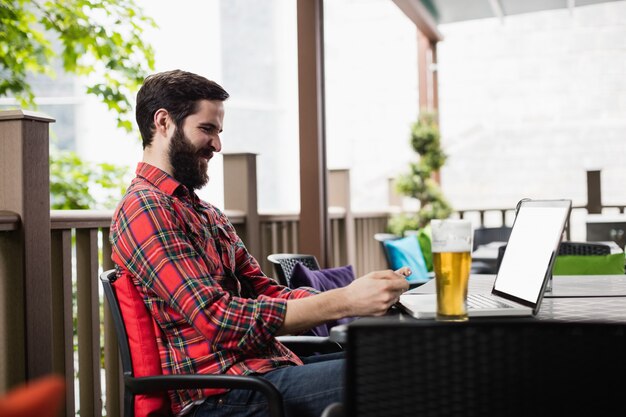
[[419, 182]]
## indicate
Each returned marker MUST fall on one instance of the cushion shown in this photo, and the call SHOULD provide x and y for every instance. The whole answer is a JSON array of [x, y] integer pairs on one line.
[[144, 352], [424, 239], [406, 251], [42, 397], [589, 264], [322, 280]]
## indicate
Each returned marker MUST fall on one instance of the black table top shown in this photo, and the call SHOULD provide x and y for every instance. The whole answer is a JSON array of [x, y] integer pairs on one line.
[[562, 286], [588, 298]]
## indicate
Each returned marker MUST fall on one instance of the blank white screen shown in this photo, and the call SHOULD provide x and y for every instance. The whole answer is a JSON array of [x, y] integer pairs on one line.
[[535, 235]]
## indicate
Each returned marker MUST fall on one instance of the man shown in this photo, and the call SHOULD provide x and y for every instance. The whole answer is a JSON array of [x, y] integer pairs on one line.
[[217, 312]]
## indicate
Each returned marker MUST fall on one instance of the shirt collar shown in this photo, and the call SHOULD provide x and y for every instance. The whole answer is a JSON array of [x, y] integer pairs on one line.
[[160, 179]]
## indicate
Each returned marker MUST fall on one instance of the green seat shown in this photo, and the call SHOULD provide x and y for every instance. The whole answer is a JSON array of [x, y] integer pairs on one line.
[[584, 258], [612, 264]]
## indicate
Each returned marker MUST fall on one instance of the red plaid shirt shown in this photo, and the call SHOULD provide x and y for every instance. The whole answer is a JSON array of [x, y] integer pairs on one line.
[[217, 311]]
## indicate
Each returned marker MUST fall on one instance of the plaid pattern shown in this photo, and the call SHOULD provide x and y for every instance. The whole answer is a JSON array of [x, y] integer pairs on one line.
[[217, 312]]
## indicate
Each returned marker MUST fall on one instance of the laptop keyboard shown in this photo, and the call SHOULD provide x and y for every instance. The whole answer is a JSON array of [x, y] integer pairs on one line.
[[481, 301]]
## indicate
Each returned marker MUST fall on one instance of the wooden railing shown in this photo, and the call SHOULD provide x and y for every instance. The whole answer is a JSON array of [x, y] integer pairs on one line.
[[80, 251], [84, 343], [505, 217], [9, 221]]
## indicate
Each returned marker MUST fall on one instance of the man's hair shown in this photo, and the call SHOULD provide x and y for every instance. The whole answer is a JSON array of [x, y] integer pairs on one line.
[[176, 91]]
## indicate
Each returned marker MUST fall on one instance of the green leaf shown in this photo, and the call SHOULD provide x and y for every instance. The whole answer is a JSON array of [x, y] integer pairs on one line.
[[418, 182], [102, 39], [78, 184]]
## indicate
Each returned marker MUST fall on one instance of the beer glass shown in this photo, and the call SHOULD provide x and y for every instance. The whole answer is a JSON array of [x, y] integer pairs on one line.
[[452, 259]]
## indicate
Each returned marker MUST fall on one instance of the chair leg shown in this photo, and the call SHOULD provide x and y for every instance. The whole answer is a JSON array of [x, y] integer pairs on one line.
[[129, 404]]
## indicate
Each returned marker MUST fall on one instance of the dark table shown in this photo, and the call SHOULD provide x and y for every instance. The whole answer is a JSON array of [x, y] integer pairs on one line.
[[568, 360], [577, 298]]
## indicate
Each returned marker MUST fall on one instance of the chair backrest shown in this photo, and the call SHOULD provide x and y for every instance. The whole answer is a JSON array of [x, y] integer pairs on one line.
[[569, 248], [583, 248], [118, 321], [484, 235], [284, 262], [484, 368], [134, 328]]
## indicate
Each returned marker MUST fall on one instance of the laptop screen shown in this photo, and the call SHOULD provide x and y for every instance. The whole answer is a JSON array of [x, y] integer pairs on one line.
[[533, 242]]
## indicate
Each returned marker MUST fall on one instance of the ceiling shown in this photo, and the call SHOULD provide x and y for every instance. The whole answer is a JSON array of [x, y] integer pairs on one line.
[[447, 11]]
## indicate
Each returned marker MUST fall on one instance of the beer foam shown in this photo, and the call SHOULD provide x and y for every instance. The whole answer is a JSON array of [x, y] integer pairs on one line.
[[451, 235]]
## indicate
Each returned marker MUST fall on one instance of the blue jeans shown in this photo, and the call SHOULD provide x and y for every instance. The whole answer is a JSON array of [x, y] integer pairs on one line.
[[307, 390]]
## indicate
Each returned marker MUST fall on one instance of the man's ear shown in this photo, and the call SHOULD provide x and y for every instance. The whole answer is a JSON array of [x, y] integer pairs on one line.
[[162, 122]]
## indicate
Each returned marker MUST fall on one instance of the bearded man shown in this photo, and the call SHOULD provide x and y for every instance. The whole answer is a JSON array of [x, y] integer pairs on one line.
[[216, 311]]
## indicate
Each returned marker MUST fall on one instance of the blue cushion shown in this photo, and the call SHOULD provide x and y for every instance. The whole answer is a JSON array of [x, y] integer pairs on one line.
[[407, 252], [322, 280]]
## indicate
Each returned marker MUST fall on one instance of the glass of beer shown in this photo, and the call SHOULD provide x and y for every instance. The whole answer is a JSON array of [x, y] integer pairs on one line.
[[452, 258]]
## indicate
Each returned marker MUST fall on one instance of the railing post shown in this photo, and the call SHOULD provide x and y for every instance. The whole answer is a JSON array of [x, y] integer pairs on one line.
[[240, 193], [594, 192], [395, 199], [339, 196], [25, 280]]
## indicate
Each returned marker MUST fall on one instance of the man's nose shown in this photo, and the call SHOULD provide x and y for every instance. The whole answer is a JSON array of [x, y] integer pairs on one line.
[[216, 143]]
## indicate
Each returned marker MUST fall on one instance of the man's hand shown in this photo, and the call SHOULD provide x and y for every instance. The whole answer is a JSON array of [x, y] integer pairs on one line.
[[370, 295], [374, 293]]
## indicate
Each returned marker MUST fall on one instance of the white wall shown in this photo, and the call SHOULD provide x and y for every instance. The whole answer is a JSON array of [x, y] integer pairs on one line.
[[529, 104]]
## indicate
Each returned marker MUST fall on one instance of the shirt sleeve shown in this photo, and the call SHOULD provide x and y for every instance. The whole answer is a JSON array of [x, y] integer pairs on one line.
[[149, 239], [247, 267]]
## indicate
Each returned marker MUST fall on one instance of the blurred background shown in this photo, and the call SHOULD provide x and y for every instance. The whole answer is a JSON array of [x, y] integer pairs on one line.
[[531, 96]]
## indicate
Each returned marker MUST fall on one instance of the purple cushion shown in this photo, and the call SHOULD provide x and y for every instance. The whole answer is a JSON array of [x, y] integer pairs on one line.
[[322, 280]]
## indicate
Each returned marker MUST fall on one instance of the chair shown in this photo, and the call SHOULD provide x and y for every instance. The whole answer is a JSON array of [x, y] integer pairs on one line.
[[484, 235], [567, 248], [584, 249], [489, 367], [284, 263], [286, 268], [155, 386]]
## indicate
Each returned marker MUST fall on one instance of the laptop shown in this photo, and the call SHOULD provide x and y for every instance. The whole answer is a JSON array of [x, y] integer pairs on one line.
[[524, 271]]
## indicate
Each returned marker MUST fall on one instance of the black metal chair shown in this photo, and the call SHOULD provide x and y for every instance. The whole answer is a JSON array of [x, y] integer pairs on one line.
[[505, 367], [285, 262], [484, 235], [569, 248], [134, 385], [584, 249]]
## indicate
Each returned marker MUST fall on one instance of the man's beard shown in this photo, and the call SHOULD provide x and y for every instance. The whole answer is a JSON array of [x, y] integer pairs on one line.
[[189, 167]]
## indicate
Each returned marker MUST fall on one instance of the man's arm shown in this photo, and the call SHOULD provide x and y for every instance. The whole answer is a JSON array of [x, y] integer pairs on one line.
[[370, 295]]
